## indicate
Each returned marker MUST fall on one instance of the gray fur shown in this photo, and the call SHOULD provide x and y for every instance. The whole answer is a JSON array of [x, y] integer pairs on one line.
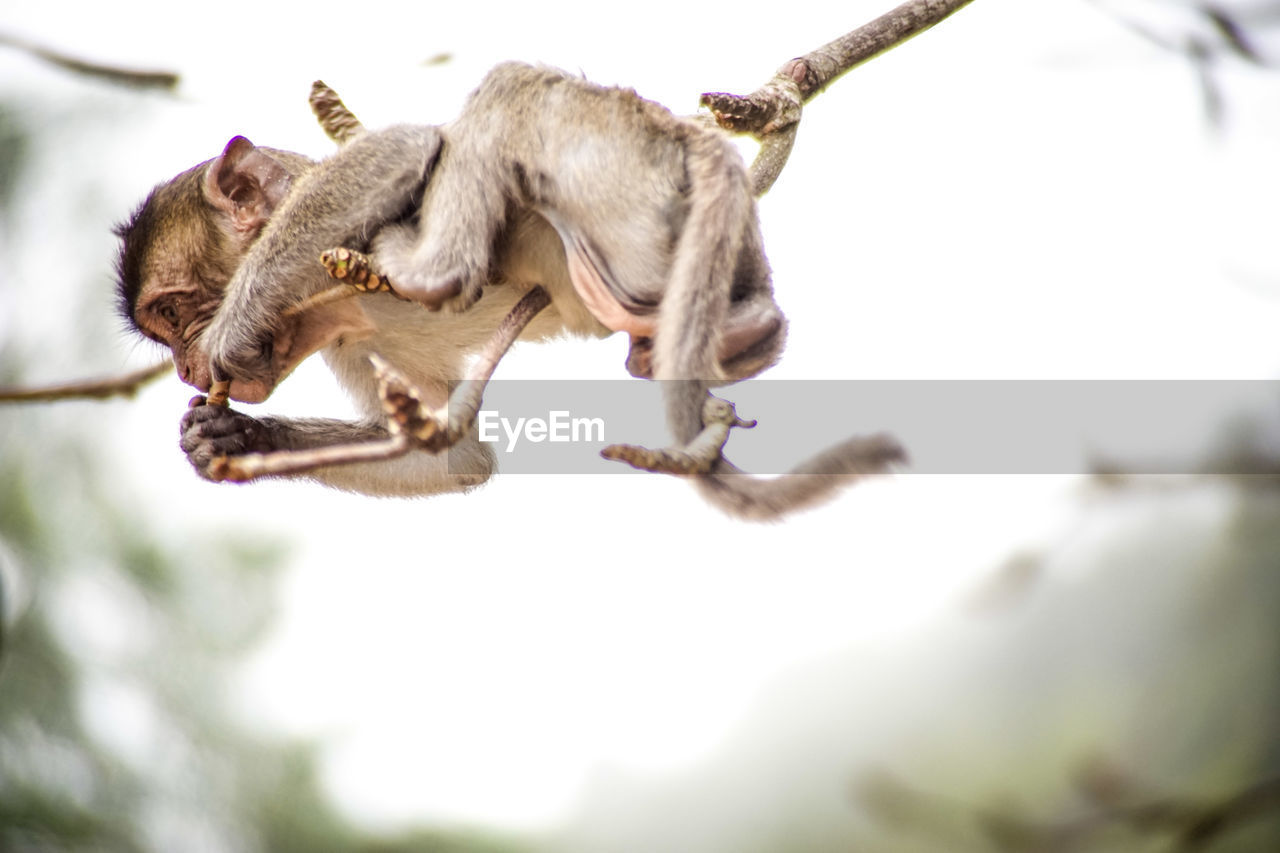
[[539, 165]]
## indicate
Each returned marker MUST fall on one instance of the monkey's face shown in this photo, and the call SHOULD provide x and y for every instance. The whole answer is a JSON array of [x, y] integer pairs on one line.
[[177, 314], [174, 311], [257, 368], [180, 250]]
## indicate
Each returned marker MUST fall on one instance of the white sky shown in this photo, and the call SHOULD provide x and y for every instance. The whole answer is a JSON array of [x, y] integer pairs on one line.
[[1028, 191]]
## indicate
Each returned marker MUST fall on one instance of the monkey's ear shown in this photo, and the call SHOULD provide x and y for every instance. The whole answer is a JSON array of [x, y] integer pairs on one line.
[[247, 184]]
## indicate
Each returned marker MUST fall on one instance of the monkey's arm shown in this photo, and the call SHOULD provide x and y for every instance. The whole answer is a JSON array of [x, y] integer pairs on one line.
[[212, 433], [226, 445], [375, 179]]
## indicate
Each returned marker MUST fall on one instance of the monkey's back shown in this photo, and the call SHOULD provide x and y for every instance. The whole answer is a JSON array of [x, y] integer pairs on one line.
[[607, 168]]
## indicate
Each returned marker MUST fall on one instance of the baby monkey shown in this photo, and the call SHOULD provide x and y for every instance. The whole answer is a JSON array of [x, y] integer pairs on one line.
[[632, 219]]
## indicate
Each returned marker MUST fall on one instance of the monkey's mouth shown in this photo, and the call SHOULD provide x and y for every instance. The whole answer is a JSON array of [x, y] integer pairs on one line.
[[256, 377], [250, 391], [296, 339]]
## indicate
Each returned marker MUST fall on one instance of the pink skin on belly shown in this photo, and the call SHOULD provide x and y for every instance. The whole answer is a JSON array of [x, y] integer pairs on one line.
[[602, 304]]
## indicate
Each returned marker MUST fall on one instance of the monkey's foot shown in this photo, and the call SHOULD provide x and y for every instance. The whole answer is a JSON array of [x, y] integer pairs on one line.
[[356, 269], [339, 123], [409, 417], [440, 276], [698, 456], [640, 357]]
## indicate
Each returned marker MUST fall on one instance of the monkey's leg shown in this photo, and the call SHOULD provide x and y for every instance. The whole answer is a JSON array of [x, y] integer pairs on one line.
[[698, 456], [464, 207], [358, 274], [437, 429]]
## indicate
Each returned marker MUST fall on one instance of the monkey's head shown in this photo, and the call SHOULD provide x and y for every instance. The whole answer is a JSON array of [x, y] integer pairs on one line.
[[181, 247]]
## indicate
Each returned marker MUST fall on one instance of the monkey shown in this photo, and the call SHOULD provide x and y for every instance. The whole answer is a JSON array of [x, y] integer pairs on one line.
[[632, 218]]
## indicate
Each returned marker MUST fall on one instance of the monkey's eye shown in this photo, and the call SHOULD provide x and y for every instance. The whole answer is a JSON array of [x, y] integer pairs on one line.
[[168, 313]]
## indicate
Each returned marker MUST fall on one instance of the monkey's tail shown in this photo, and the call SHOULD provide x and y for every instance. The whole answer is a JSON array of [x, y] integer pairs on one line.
[[685, 351], [755, 498], [702, 272]]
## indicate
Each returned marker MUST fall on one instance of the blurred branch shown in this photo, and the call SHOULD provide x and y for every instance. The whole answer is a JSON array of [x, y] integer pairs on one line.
[[1221, 33], [137, 79], [1233, 33], [126, 385], [1190, 825]]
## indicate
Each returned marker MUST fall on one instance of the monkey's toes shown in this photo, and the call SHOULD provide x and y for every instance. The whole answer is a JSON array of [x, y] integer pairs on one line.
[[640, 358], [356, 269], [452, 291]]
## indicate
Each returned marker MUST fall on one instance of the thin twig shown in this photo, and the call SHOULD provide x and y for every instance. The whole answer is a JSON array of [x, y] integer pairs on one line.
[[95, 389], [251, 466], [219, 393], [1189, 825]]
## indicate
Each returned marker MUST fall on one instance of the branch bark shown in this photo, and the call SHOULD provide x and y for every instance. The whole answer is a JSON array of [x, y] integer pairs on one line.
[[772, 112], [115, 386]]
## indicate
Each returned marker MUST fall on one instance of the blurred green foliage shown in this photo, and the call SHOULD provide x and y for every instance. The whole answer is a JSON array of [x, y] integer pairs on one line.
[[176, 627]]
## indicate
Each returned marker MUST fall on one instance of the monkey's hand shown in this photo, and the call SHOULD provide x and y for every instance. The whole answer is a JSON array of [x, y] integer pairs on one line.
[[210, 433]]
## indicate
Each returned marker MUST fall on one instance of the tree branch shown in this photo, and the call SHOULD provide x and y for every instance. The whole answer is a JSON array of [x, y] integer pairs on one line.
[[115, 386], [774, 109]]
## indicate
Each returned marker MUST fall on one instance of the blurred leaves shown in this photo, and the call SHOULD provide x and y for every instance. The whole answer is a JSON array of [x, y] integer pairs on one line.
[[13, 154]]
